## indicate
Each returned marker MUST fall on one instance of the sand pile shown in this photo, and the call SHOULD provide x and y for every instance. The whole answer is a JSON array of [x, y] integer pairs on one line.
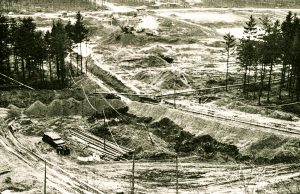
[[162, 52], [258, 144], [37, 109], [73, 107], [99, 105], [155, 50], [147, 145], [169, 131], [189, 144], [55, 108], [166, 80], [13, 111], [237, 105], [118, 37], [152, 61], [144, 76], [122, 53], [276, 149]]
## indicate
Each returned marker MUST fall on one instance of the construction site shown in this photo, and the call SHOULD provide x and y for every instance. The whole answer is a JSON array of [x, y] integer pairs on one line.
[[146, 102]]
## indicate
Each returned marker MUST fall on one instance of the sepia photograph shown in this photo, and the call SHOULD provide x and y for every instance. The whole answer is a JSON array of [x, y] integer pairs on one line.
[[149, 96]]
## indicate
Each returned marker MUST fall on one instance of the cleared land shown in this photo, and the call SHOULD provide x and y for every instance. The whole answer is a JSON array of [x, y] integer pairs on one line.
[[217, 156]]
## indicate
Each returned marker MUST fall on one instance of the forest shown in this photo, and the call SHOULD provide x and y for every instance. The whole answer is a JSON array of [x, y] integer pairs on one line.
[[39, 59], [45, 5], [269, 57], [257, 3]]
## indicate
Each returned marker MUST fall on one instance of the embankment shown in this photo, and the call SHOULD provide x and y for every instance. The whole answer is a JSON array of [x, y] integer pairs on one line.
[[245, 137]]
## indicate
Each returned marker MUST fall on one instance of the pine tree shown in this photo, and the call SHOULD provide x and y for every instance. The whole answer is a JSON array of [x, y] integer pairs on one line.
[[80, 34], [288, 34], [4, 50], [247, 51], [229, 48], [296, 61], [60, 45], [271, 52], [24, 40]]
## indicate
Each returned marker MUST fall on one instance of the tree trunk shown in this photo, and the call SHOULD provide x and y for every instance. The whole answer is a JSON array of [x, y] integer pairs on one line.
[[282, 80], [245, 80], [50, 69], [255, 79], [57, 69], [269, 83], [23, 70], [226, 81], [262, 77], [80, 58]]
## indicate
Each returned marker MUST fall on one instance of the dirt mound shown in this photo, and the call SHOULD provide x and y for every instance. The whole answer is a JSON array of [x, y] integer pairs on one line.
[[188, 144], [111, 107], [13, 111], [88, 85], [55, 108], [127, 39], [253, 144], [144, 76], [37, 109], [11, 106], [169, 131], [122, 53], [152, 61], [237, 105], [123, 39], [160, 51], [166, 80], [208, 146], [275, 149], [73, 106], [155, 50], [146, 144], [63, 107]]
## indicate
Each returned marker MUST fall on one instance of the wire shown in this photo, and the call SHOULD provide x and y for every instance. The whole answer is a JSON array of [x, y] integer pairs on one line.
[[120, 149], [284, 104], [17, 81], [86, 97]]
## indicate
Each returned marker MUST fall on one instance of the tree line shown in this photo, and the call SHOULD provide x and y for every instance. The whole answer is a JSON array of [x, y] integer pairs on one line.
[[36, 58], [269, 56], [247, 3], [45, 5]]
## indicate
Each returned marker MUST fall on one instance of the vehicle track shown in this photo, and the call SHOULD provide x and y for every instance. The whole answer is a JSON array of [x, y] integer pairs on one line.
[[56, 174]]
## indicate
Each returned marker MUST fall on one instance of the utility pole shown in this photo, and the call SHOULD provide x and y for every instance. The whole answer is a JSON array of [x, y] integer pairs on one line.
[[174, 91], [176, 173], [104, 122], [45, 178], [133, 165]]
